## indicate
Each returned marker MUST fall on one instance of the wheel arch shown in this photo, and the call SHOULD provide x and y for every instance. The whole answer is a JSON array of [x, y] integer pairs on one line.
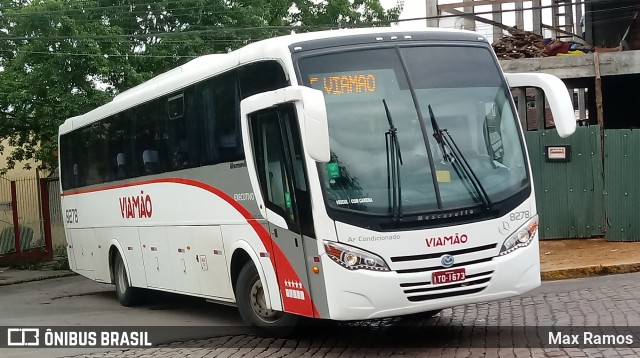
[[116, 249], [244, 253]]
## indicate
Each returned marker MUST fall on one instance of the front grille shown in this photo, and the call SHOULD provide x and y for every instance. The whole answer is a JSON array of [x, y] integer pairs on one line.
[[425, 291], [439, 254], [430, 261], [431, 268]]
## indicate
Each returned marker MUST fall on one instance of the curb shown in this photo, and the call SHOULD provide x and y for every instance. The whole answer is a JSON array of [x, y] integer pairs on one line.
[[589, 271], [37, 278]]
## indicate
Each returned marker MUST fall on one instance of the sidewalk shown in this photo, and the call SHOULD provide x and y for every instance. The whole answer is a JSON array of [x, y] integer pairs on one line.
[[574, 258], [11, 276], [559, 259]]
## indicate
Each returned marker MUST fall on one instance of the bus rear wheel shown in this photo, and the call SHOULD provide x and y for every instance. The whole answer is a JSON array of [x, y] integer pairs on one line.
[[127, 295], [252, 304]]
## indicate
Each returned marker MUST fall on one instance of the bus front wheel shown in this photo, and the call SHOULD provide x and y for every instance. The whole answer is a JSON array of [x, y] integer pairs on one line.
[[251, 301], [127, 295]]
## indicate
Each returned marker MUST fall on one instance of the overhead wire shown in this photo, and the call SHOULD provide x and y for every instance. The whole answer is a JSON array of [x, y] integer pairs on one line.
[[132, 55], [102, 8], [174, 33], [489, 12], [163, 37], [147, 11]]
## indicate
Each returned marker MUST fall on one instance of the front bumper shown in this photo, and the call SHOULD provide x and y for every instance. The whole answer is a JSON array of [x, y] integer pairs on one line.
[[363, 294]]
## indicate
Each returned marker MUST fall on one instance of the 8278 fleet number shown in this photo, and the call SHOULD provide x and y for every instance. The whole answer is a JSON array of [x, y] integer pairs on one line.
[[71, 216], [519, 215]]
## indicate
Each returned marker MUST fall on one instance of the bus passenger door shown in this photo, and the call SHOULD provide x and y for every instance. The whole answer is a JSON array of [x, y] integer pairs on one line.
[[275, 138]]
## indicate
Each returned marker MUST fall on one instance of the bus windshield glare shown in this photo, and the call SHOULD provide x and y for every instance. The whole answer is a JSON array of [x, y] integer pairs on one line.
[[456, 89]]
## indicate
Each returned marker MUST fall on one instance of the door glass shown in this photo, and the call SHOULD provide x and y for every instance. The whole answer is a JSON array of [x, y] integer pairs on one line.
[[302, 196], [271, 165]]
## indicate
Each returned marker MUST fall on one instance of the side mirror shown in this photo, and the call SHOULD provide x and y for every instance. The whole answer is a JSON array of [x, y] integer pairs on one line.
[[315, 127], [311, 112], [557, 95]]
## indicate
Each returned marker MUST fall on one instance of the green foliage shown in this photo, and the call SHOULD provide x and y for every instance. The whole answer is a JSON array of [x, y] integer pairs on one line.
[[345, 13], [60, 258], [62, 58]]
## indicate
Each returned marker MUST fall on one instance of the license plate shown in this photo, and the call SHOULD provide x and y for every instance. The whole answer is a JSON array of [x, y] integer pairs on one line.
[[448, 276]]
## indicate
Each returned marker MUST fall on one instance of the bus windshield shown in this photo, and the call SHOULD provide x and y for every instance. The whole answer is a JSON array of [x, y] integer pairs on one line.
[[457, 88]]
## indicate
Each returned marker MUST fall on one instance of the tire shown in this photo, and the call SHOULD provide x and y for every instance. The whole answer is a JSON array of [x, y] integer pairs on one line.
[[253, 310], [127, 295]]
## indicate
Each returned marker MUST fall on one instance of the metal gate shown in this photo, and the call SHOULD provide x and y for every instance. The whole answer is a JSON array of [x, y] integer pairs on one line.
[[569, 194], [589, 195], [24, 220], [622, 178]]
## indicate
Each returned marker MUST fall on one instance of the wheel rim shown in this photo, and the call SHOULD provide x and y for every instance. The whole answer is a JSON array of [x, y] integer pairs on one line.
[[121, 278], [258, 304]]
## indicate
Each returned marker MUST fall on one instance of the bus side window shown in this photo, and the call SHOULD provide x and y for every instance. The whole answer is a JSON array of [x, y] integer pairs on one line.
[[82, 172], [67, 161], [176, 106], [180, 133], [148, 134], [218, 118], [260, 77], [94, 139], [75, 176], [119, 147]]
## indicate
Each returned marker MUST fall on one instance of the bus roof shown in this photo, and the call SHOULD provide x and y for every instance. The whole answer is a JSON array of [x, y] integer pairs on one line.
[[209, 65]]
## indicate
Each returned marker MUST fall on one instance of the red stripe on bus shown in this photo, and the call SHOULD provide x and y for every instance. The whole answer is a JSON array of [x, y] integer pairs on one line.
[[126, 185], [284, 269]]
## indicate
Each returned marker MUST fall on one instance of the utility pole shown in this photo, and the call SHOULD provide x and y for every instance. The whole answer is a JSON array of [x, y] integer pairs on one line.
[[432, 11], [469, 22]]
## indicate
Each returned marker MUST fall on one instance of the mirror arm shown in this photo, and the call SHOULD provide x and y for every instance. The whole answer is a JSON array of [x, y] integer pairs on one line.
[[556, 93]]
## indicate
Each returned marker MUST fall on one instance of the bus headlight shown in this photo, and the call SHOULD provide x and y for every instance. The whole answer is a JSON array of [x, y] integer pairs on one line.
[[354, 259], [521, 238]]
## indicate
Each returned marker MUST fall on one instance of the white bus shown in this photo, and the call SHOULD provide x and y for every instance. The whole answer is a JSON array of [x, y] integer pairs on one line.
[[344, 175]]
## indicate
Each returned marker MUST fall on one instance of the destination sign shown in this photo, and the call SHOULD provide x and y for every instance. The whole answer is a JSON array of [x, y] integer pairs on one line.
[[334, 84]]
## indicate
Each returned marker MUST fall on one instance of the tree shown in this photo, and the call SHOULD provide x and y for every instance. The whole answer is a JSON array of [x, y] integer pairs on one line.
[[44, 81], [345, 13], [62, 58]]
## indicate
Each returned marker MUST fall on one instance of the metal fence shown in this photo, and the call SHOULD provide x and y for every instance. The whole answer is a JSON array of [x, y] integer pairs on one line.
[[55, 207], [6, 217], [21, 213]]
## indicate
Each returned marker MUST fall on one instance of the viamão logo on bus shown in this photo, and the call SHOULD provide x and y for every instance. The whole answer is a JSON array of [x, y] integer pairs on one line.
[[447, 240], [136, 207]]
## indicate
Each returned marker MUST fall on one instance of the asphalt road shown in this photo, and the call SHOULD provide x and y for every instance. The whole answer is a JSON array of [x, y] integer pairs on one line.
[[77, 301], [469, 331]]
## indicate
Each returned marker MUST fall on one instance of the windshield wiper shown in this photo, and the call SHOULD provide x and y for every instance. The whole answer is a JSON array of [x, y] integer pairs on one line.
[[394, 160], [437, 134], [443, 137]]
